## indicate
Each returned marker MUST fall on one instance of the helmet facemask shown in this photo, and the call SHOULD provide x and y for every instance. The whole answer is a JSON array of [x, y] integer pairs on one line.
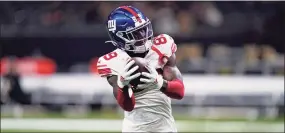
[[138, 40]]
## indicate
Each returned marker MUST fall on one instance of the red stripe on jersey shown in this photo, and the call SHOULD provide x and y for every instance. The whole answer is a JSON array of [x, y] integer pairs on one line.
[[101, 65], [132, 12], [173, 47], [159, 54], [104, 71]]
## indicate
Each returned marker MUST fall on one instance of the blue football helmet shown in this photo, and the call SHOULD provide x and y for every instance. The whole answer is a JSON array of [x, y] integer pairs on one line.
[[129, 29]]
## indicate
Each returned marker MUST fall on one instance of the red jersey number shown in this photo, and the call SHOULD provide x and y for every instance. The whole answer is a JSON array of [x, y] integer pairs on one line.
[[159, 40], [110, 56]]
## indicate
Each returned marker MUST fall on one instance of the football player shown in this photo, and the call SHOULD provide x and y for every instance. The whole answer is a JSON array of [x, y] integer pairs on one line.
[[148, 106]]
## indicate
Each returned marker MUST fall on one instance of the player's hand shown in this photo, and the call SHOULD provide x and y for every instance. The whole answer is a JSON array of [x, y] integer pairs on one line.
[[126, 76], [152, 79]]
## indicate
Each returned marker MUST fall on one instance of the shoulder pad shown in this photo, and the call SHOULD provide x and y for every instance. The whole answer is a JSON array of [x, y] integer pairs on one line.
[[112, 63], [165, 44]]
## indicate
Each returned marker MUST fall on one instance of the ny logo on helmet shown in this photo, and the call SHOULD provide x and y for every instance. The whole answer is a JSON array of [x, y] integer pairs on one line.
[[112, 25]]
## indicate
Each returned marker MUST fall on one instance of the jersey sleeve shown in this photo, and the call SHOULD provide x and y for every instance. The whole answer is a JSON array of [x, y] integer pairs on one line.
[[168, 48], [104, 67], [112, 63]]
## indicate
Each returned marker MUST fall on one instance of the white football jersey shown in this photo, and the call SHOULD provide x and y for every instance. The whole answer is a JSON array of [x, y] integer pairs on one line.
[[153, 108]]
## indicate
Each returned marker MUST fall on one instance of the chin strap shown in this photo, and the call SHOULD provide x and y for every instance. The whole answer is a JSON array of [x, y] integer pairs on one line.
[[113, 42], [116, 45]]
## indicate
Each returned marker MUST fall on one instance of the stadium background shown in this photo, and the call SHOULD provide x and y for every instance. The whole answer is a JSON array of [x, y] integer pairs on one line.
[[231, 55]]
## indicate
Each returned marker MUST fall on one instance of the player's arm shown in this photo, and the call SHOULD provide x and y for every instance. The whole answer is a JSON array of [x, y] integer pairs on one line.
[[172, 85], [171, 82], [120, 82], [124, 99]]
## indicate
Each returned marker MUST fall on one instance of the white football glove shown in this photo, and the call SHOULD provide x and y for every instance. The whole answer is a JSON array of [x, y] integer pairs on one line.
[[126, 76], [152, 79]]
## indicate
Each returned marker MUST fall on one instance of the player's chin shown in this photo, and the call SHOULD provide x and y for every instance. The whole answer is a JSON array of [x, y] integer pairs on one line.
[[139, 43]]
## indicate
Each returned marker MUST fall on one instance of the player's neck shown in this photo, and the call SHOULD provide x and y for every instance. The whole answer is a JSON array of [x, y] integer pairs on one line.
[[142, 55]]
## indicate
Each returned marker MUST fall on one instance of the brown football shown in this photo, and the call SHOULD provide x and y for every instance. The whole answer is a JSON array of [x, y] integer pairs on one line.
[[141, 62]]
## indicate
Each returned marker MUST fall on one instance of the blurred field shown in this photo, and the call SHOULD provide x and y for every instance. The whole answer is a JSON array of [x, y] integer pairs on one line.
[[108, 125], [97, 125], [101, 121], [116, 114]]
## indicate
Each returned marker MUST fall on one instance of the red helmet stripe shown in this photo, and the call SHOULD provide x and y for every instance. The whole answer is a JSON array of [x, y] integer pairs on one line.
[[132, 12]]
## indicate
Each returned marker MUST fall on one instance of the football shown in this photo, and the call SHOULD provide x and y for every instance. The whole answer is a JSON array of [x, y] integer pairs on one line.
[[141, 62]]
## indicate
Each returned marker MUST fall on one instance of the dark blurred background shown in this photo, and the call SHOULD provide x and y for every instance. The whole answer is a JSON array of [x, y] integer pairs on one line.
[[231, 55], [223, 37]]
